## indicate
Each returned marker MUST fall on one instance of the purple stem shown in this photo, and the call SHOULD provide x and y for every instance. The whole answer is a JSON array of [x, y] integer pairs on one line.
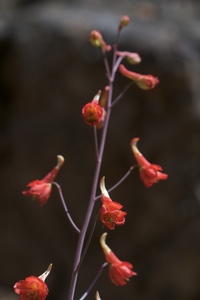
[[83, 232], [94, 281], [92, 201], [122, 93], [65, 206], [120, 181]]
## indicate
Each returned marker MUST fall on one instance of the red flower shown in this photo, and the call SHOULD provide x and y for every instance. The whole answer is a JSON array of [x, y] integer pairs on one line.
[[110, 212], [92, 112], [149, 173], [119, 271], [145, 82], [41, 189], [33, 288]]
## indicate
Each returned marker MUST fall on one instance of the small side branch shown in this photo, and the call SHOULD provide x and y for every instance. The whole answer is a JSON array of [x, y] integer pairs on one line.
[[120, 181], [88, 241], [122, 93], [65, 207], [94, 281]]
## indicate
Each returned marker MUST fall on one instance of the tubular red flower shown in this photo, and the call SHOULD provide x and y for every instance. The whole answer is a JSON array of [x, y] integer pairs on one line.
[[92, 112], [119, 271], [145, 82], [33, 288], [149, 173], [41, 189], [110, 212]]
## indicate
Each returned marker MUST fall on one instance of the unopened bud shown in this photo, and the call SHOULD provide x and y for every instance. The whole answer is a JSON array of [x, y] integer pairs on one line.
[[132, 57], [125, 20], [104, 97], [97, 40]]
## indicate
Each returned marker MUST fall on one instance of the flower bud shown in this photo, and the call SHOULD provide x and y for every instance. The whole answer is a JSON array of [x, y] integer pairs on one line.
[[104, 97], [132, 57], [97, 40], [125, 20]]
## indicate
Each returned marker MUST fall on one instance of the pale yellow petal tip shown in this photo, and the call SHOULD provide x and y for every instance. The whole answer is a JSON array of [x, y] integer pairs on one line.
[[60, 161], [104, 246], [49, 268], [103, 187], [134, 141], [103, 239], [97, 96], [97, 296], [46, 273]]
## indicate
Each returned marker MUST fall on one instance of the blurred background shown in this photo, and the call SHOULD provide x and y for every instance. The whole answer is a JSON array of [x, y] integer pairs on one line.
[[48, 71]]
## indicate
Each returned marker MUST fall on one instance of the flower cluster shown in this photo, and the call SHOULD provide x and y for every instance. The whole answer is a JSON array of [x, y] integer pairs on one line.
[[96, 113]]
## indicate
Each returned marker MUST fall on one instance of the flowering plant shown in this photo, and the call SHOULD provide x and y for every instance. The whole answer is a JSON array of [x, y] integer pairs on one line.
[[96, 113]]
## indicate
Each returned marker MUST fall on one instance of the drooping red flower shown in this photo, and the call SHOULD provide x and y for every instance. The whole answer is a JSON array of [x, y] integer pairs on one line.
[[119, 271], [41, 189], [149, 173], [110, 212], [92, 112], [145, 82], [33, 288]]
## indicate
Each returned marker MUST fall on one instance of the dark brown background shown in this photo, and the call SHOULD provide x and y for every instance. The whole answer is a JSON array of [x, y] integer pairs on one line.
[[48, 71]]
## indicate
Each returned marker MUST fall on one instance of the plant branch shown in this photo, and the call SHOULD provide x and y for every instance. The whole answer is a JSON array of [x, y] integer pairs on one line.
[[65, 207], [122, 93], [106, 65], [120, 181], [88, 241], [96, 141], [94, 281], [93, 194]]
